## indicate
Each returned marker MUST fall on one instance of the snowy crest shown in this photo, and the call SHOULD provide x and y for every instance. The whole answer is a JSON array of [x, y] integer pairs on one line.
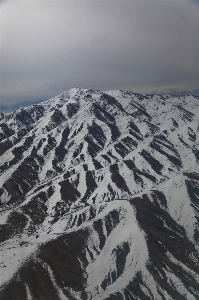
[[99, 197]]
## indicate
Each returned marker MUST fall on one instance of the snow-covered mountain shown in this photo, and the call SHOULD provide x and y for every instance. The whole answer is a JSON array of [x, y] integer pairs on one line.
[[100, 198]]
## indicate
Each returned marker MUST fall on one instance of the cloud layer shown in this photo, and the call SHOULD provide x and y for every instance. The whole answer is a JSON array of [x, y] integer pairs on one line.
[[48, 47]]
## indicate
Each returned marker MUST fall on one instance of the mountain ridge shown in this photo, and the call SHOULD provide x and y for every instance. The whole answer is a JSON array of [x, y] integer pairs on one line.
[[63, 164]]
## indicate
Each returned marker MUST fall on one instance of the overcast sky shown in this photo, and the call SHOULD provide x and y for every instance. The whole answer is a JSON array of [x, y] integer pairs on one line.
[[48, 47]]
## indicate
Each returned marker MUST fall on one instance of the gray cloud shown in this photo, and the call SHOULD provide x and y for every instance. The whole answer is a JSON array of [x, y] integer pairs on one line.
[[50, 46]]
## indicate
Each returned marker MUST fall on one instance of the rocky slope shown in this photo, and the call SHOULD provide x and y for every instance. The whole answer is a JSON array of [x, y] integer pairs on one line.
[[100, 198]]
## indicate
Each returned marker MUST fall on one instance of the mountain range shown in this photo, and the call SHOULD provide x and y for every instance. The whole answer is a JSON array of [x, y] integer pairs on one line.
[[99, 197]]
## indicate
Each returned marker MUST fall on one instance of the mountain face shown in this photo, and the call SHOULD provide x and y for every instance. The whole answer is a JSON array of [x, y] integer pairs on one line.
[[99, 198]]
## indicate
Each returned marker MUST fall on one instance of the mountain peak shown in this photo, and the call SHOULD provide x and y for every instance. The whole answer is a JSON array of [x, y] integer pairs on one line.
[[103, 187]]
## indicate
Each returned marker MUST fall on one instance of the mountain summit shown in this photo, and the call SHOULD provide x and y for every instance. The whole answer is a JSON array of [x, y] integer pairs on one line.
[[99, 198]]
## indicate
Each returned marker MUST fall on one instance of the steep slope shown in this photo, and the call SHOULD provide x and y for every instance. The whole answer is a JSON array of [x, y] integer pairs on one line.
[[100, 197]]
